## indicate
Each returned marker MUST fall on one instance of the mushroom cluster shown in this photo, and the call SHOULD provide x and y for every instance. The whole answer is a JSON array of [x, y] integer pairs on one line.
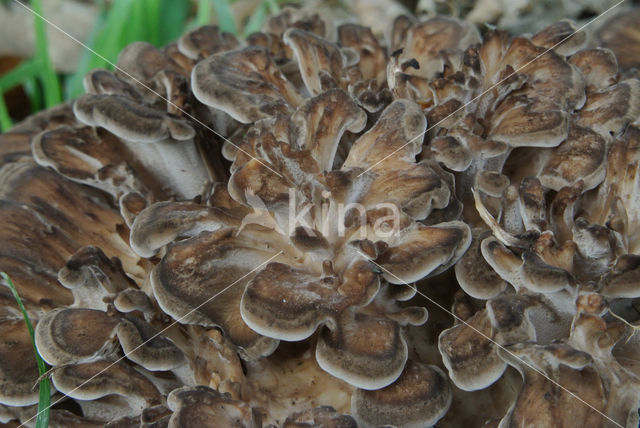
[[227, 233]]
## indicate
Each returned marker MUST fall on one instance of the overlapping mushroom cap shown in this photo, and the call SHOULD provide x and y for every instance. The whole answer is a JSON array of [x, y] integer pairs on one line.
[[323, 206]]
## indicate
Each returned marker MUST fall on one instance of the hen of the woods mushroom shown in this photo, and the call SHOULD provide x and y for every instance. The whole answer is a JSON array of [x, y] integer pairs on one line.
[[222, 232]]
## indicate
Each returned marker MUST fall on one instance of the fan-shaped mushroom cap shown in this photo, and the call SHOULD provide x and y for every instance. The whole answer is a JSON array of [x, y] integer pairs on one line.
[[100, 81], [469, 356], [320, 417], [61, 217], [616, 203], [368, 361], [202, 406], [609, 111], [245, 83], [130, 120], [289, 304], [473, 273], [163, 222], [431, 42], [140, 62], [71, 335], [320, 122], [16, 143], [131, 300], [102, 378], [321, 62], [563, 36], [580, 157], [87, 156], [206, 40], [387, 151], [141, 344], [162, 144], [425, 250], [92, 277], [191, 282], [419, 398], [469, 349], [599, 67], [530, 270]]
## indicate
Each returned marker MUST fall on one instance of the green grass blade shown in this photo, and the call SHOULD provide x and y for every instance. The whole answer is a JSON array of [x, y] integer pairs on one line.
[[203, 16], [42, 421], [224, 14], [274, 7], [256, 19], [52, 94], [5, 120], [153, 21], [32, 86], [173, 19], [25, 71], [136, 26]]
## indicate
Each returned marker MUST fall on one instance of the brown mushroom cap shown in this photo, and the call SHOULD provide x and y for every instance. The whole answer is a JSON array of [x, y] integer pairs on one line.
[[163, 222], [599, 67], [432, 41], [609, 111], [469, 356], [140, 62], [419, 398], [206, 40], [244, 83], [141, 344], [473, 273], [47, 219], [320, 122], [129, 120], [15, 144], [162, 144], [100, 81], [202, 406], [88, 156], [196, 270], [469, 349], [563, 36], [131, 300], [71, 335], [369, 361], [289, 304], [425, 250], [93, 277], [101, 378], [321, 62], [381, 166]]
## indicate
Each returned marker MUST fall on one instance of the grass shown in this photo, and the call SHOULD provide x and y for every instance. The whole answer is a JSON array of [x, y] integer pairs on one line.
[[119, 23], [42, 420]]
